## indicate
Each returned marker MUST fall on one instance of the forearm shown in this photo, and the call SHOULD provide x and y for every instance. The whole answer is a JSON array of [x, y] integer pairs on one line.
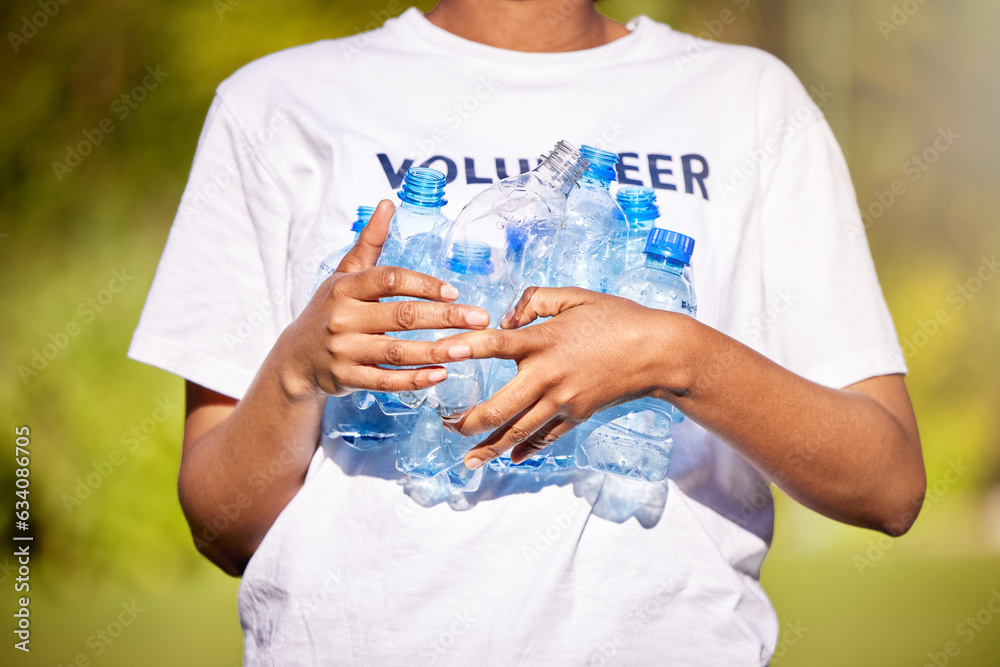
[[241, 468], [852, 455]]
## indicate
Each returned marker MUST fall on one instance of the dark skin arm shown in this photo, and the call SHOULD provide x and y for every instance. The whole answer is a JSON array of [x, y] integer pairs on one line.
[[243, 461], [851, 454]]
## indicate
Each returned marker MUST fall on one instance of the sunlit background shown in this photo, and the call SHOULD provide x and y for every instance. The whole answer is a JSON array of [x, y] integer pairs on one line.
[[898, 76]]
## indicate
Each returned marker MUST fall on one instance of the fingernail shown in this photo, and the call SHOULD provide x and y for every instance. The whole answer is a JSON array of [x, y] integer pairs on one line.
[[505, 322], [449, 292], [437, 375], [477, 318], [460, 351], [472, 463]]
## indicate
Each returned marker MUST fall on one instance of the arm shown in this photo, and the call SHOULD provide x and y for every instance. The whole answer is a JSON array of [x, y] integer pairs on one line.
[[242, 461], [851, 454]]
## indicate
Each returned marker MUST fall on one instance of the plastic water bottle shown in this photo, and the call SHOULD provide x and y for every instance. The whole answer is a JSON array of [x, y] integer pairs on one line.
[[428, 450], [590, 251], [330, 263], [361, 429], [414, 238], [519, 219], [639, 205], [634, 440], [470, 270]]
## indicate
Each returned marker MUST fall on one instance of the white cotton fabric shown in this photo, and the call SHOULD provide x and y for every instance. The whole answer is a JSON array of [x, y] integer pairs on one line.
[[354, 572]]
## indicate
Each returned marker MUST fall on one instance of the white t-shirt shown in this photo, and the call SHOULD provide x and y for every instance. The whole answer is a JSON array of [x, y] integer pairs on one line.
[[354, 571]]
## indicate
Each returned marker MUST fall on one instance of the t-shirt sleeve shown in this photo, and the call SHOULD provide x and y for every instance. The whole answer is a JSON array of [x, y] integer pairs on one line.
[[832, 324], [217, 302]]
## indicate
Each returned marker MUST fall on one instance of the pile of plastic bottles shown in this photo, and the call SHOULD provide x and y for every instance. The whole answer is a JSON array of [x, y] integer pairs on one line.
[[557, 225]]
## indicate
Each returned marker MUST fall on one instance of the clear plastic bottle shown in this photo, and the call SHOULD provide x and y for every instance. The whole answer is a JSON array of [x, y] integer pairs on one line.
[[424, 452], [639, 205], [590, 251], [361, 429], [414, 238], [519, 219], [330, 263], [469, 269], [634, 440]]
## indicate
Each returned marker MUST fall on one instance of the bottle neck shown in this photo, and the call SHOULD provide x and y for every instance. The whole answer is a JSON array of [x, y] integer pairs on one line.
[[562, 167], [659, 263], [419, 209], [594, 182], [640, 224]]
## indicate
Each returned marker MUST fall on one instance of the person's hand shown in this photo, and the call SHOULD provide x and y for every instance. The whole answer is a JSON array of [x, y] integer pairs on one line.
[[597, 351], [337, 343]]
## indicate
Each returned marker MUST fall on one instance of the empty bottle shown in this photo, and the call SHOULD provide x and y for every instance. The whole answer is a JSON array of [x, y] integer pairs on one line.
[[635, 439], [590, 251], [359, 428], [470, 270], [414, 238], [428, 450], [519, 218], [330, 263], [639, 205]]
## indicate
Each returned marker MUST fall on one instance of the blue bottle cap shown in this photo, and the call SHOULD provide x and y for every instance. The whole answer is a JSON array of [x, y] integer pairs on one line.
[[602, 163], [423, 186], [365, 214], [670, 245]]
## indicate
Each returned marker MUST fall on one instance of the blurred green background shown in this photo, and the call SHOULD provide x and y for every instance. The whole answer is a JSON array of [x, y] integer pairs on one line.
[[900, 73]]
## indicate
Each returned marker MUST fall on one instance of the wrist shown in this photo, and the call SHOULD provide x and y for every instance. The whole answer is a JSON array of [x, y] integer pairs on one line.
[[676, 354], [291, 369]]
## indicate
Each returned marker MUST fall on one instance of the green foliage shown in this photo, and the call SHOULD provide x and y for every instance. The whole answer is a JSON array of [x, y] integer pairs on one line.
[[63, 233]]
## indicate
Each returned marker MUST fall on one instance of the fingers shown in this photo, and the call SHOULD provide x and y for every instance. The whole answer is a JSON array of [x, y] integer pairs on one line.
[[374, 350], [381, 379], [545, 436], [519, 432], [510, 401], [415, 315], [502, 344], [381, 282], [545, 302], [368, 247]]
